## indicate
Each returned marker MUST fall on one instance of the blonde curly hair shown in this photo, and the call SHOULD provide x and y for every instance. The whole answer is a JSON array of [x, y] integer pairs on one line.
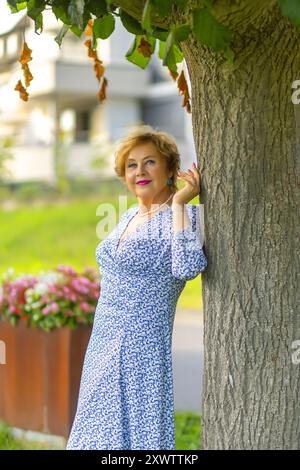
[[163, 141]]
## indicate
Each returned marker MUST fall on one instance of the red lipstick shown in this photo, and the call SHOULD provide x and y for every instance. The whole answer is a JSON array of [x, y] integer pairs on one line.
[[142, 182]]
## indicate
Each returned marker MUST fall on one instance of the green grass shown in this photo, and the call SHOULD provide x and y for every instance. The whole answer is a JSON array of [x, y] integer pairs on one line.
[[9, 442], [187, 435], [38, 238], [187, 431]]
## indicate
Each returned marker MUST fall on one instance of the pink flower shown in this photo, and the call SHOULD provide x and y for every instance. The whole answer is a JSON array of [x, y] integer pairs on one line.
[[77, 285], [45, 310], [71, 294], [54, 307], [84, 306], [66, 270], [84, 280]]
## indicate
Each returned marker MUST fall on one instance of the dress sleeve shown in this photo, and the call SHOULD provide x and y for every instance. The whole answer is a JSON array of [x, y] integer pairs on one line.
[[188, 258]]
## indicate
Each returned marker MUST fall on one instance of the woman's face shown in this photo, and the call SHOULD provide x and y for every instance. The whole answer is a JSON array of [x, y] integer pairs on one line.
[[144, 162]]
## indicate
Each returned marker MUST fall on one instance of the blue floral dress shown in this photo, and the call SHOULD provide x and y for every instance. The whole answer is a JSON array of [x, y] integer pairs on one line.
[[126, 392]]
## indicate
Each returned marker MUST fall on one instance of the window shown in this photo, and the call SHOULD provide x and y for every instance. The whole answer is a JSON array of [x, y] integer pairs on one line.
[[74, 125], [82, 126]]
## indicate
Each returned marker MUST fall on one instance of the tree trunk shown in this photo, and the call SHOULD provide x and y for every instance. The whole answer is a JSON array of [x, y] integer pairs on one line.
[[245, 131]]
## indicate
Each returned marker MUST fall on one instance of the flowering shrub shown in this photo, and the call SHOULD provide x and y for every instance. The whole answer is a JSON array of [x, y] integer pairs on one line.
[[52, 299]]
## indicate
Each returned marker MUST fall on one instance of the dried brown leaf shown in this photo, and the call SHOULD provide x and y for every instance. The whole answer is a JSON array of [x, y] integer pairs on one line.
[[26, 54], [22, 91], [102, 91], [144, 48], [27, 74], [89, 28], [99, 69]]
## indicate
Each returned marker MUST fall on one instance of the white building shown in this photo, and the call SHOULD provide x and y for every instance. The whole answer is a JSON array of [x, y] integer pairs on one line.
[[63, 102]]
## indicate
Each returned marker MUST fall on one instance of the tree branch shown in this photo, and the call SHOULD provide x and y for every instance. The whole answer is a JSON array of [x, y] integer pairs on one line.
[[135, 9], [244, 17], [241, 16]]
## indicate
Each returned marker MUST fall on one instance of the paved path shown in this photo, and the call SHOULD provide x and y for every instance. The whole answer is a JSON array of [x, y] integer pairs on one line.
[[188, 360]]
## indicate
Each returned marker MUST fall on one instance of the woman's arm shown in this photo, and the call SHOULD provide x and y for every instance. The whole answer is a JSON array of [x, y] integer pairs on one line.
[[188, 258], [180, 217]]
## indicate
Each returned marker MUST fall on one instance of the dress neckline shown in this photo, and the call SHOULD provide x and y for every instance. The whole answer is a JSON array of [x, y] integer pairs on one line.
[[139, 226]]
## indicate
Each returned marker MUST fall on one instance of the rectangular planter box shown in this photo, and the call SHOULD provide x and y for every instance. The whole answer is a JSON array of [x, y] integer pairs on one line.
[[39, 383]]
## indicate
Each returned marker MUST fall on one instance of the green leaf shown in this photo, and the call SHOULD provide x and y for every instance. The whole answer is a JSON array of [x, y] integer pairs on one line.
[[75, 11], [60, 9], [34, 11], [110, 6], [161, 49], [61, 14], [131, 24], [168, 47], [162, 7], [35, 7], [97, 7], [12, 3], [291, 9], [146, 17], [103, 27], [181, 32], [136, 57], [178, 56], [77, 31], [61, 34], [16, 5], [207, 30], [161, 34], [38, 24], [171, 54]]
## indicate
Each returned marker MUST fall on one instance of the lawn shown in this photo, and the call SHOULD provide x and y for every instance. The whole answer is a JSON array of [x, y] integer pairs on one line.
[[187, 434], [9, 442], [38, 238]]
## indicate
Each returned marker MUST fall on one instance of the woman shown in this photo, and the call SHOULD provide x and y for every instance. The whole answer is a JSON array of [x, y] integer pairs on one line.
[[126, 391]]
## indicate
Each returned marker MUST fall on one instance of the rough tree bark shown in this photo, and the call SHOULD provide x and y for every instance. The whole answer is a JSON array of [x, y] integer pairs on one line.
[[245, 131]]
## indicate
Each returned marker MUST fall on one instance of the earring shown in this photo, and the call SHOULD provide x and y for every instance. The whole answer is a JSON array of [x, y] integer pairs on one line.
[[169, 181]]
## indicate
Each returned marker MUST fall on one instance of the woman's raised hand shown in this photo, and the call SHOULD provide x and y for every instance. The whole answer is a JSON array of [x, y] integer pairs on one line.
[[191, 188]]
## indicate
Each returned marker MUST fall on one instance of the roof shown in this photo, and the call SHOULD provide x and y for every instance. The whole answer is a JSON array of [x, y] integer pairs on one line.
[[9, 20]]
